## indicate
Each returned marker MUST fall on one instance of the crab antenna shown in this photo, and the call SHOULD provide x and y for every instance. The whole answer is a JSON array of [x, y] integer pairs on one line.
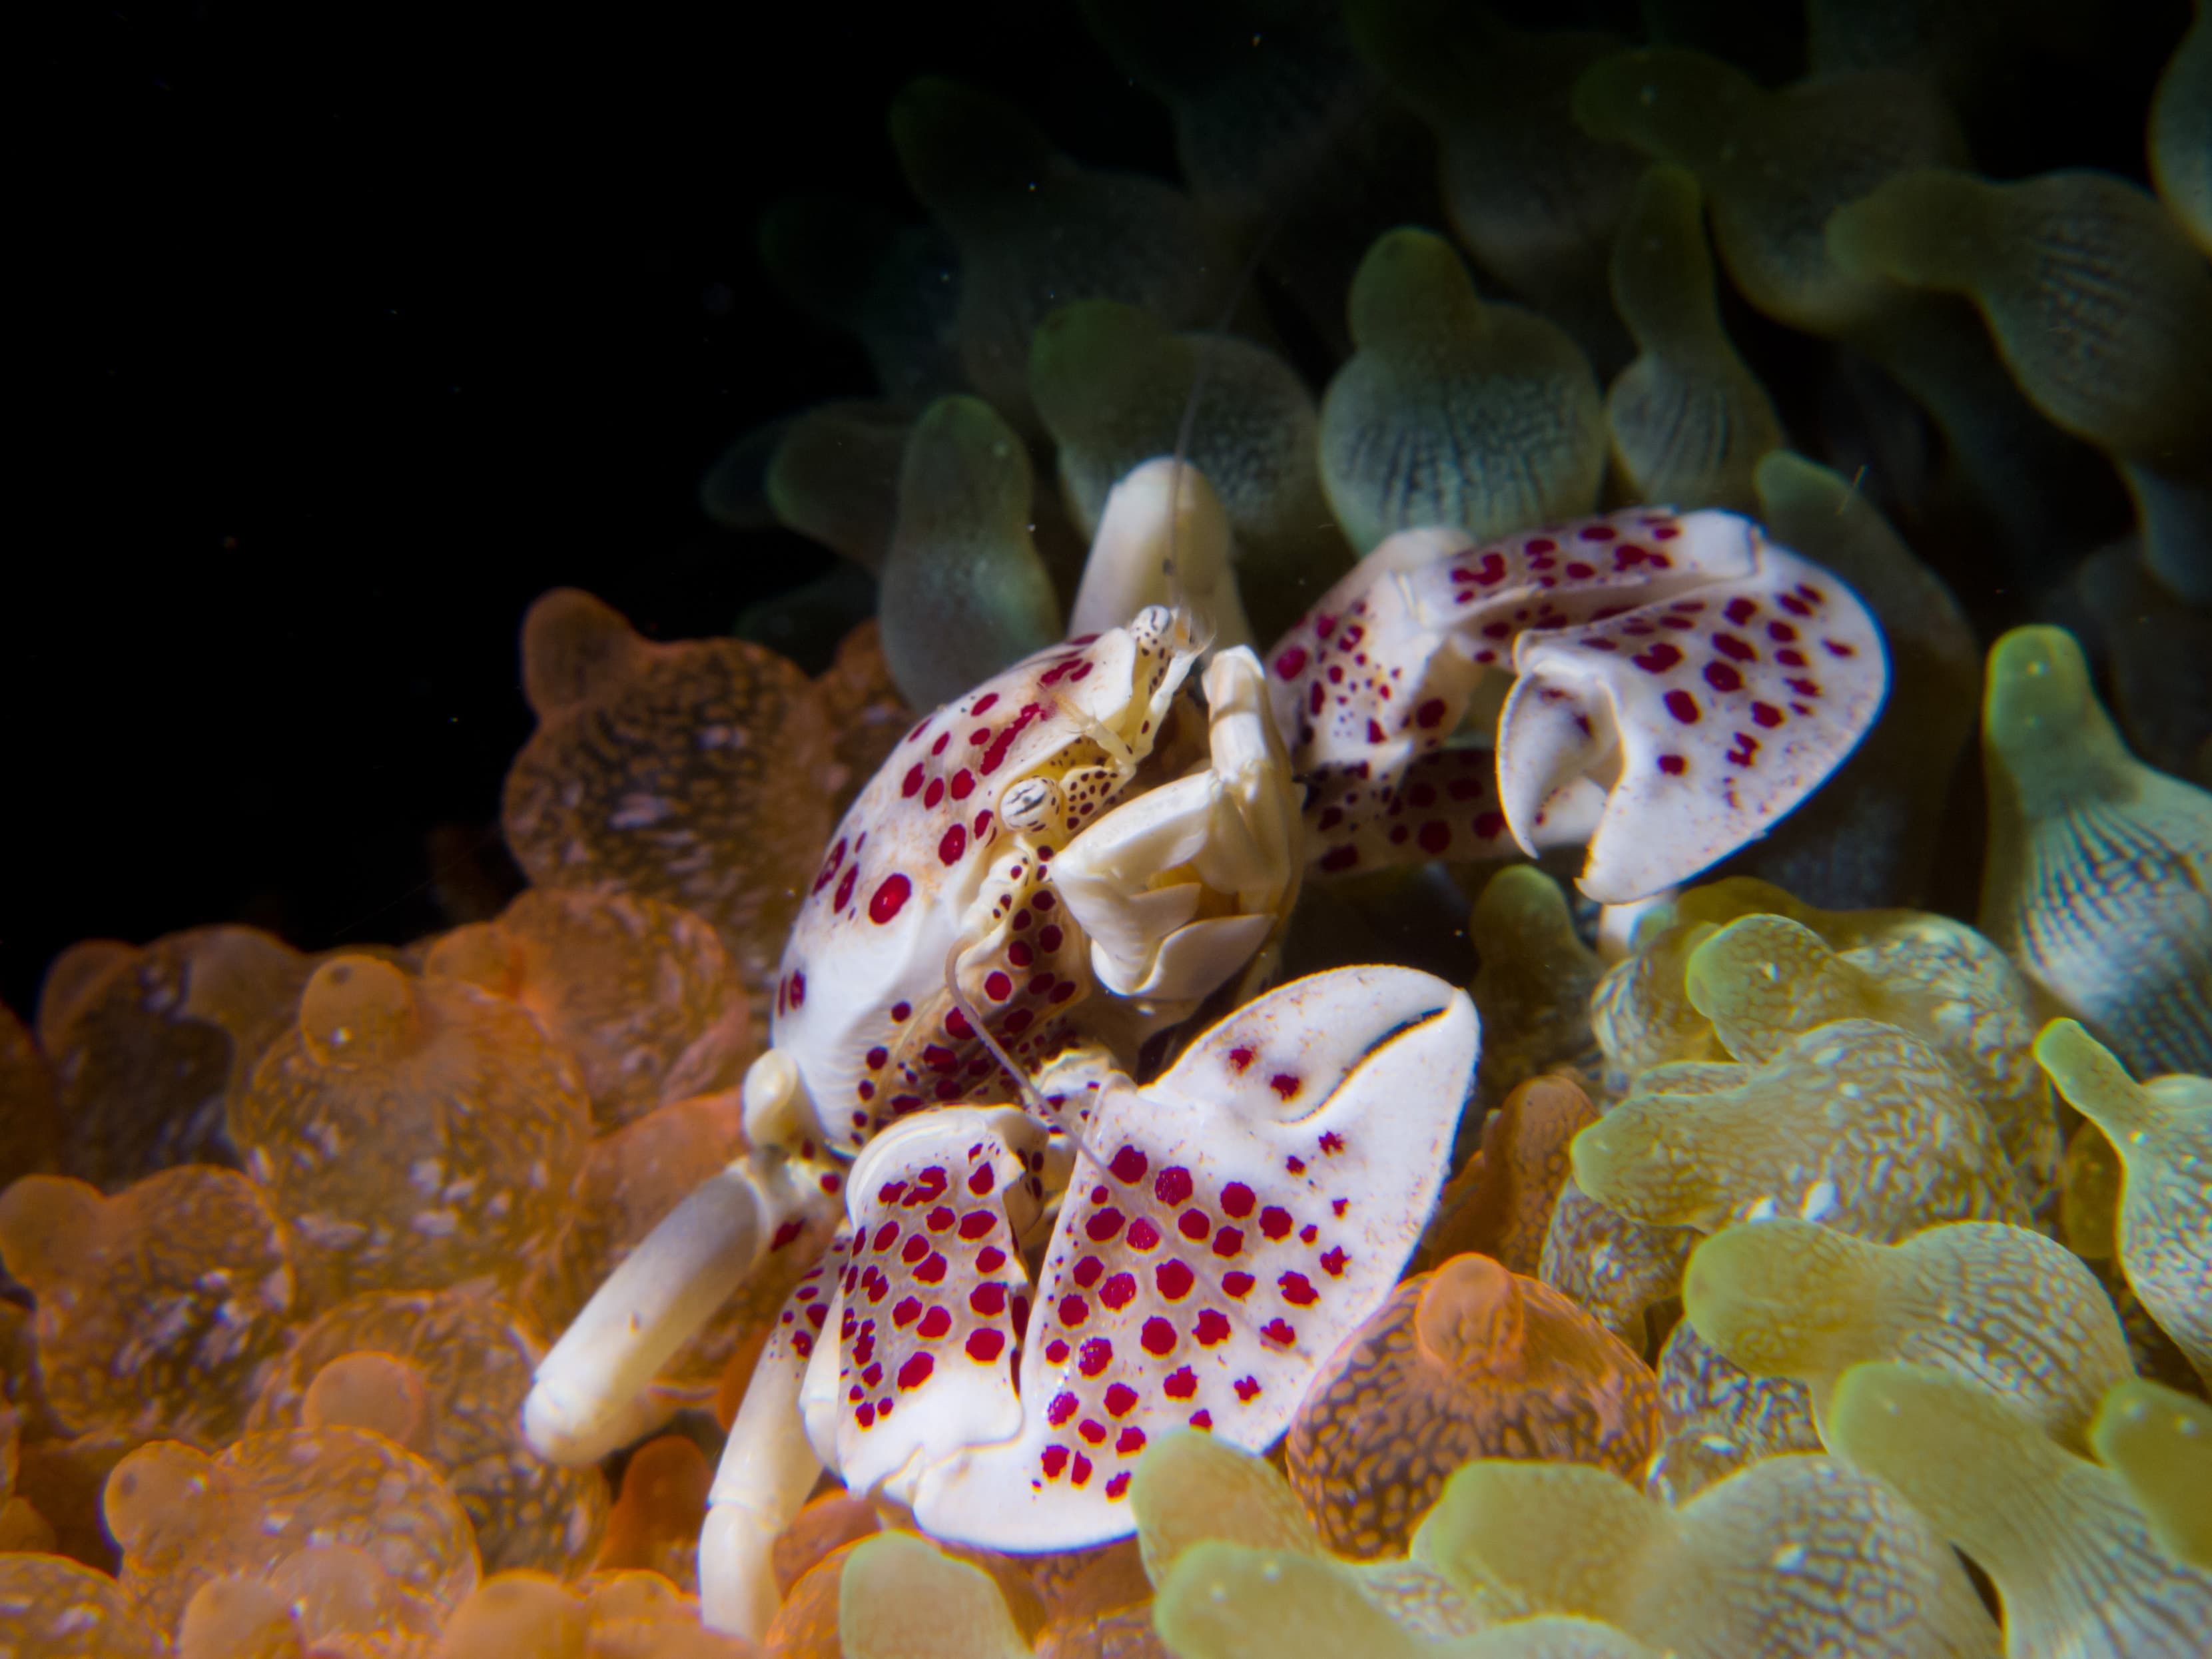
[[1032, 1101], [1171, 568]]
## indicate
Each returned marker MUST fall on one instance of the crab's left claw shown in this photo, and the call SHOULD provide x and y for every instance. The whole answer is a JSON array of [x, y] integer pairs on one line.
[[1688, 728], [1177, 888], [1254, 1206]]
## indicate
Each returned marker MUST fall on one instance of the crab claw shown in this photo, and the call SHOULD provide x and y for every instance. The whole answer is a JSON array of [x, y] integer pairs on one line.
[[1253, 1205], [1703, 719], [1177, 888]]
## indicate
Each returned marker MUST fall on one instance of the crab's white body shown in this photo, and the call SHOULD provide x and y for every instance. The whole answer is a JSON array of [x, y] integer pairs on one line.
[[1075, 850]]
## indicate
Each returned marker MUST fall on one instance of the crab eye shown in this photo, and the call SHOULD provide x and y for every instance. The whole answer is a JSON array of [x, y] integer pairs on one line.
[[1032, 804], [1153, 624]]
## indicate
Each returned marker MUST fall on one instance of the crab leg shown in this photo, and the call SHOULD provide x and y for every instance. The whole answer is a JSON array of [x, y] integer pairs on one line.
[[767, 1467], [1177, 888], [1681, 683], [585, 1401]]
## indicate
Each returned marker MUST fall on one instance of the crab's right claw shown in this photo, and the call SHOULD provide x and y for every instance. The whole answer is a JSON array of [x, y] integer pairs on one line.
[[589, 1396], [1702, 720], [1256, 1203]]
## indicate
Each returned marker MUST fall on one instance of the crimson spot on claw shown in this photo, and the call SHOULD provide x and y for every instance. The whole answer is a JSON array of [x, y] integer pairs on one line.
[[1159, 1337], [1236, 1200], [1286, 1084], [1658, 659], [886, 901], [1238, 1284], [1683, 707], [1673, 765], [1279, 1330], [1129, 1165], [916, 1370], [1289, 663], [1172, 1185], [1213, 1328], [1248, 1389], [1332, 1262], [1174, 1279], [1275, 1221], [1096, 1355], [1239, 1059], [1120, 1399]]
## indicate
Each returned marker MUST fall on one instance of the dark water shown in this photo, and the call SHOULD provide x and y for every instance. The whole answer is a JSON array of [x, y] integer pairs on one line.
[[350, 331]]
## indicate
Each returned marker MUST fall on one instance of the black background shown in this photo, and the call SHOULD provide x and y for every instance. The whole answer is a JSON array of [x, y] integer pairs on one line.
[[346, 331]]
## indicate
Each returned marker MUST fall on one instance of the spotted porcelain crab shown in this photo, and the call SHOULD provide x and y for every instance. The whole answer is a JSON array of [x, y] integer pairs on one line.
[[999, 1303], [1672, 685]]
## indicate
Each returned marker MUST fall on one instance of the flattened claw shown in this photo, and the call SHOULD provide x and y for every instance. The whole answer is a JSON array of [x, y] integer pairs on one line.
[[1680, 682], [1709, 716], [1177, 888], [1253, 1205], [935, 1295]]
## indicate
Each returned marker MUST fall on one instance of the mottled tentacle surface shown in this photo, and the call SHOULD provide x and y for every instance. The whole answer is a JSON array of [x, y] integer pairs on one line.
[[2099, 879], [1222, 1231], [2001, 1306], [2071, 1556], [2162, 1131], [1680, 682]]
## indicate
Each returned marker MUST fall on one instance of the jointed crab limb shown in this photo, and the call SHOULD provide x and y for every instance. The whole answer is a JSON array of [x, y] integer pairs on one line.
[[586, 1399], [1146, 553], [1178, 888], [767, 1468], [1682, 682]]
